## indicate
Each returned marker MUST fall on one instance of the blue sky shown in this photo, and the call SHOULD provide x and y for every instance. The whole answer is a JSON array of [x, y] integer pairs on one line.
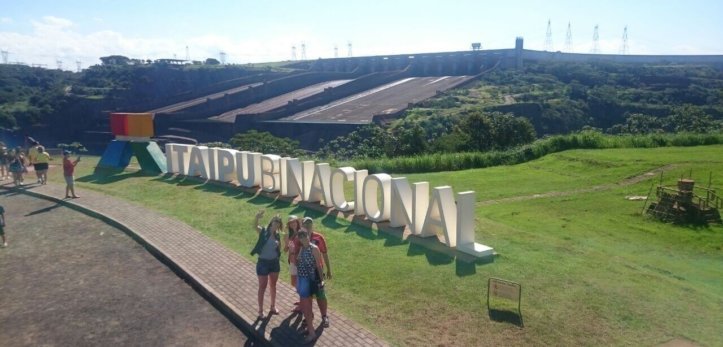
[[42, 32]]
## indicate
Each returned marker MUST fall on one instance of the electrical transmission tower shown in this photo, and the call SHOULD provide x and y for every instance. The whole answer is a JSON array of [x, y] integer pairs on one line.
[[223, 57], [59, 63], [77, 64], [568, 38], [5, 56], [349, 51], [624, 49], [293, 52], [336, 51], [548, 37], [303, 51], [188, 54], [596, 41]]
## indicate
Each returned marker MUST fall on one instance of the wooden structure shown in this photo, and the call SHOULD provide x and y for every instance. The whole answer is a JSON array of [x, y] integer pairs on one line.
[[686, 204]]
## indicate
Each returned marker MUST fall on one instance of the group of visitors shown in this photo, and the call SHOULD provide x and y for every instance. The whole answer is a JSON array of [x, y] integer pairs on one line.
[[14, 164], [307, 257]]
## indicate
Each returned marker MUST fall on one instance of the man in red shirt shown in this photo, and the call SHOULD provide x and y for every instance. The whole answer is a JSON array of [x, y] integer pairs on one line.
[[68, 170], [318, 240]]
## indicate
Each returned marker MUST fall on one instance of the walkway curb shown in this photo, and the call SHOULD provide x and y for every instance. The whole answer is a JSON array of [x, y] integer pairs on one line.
[[220, 275]]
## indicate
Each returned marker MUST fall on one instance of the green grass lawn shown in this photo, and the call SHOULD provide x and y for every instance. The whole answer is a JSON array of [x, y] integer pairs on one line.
[[593, 270]]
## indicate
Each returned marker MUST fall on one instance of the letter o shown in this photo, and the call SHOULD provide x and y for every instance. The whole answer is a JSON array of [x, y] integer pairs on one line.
[[337, 188], [374, 212]]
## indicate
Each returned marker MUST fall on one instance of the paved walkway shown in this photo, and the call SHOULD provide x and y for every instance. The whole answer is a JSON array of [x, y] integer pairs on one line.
[[227, 279], [68, 279]]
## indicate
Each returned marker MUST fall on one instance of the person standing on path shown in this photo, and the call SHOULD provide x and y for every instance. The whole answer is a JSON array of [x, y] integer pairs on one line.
[[2, 227], [4, 161], [68, 170], [309, 266], [42, 159], [33, 154], [17, 166], [293, 225], [268, 265], [318, 240]]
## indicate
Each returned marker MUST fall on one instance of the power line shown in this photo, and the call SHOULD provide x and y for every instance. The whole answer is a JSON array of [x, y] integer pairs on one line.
[[548, 37], [596, 41], [624, 49], [568, 38]]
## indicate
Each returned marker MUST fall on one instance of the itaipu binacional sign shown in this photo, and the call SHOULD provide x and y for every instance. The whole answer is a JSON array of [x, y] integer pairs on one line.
[[378, 197]]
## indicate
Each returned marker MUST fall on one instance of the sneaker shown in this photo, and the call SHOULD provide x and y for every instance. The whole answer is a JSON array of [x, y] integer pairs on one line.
[[325, 321], [5, 244]]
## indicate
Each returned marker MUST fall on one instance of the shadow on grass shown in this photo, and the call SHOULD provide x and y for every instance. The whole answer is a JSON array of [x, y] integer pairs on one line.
[[435, 252], [506, 317], [106, 176]]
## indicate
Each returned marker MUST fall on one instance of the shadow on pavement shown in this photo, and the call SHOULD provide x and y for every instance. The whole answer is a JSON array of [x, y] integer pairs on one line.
[[43, 210]]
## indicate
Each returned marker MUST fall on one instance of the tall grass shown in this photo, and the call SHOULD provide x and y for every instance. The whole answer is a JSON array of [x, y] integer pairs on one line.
[[582, 140]]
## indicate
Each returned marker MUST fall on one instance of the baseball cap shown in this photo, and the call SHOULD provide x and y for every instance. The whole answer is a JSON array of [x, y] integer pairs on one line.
[[307, 220]]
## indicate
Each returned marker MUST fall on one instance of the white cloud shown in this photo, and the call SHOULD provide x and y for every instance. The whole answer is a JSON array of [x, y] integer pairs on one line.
[[55, 38]]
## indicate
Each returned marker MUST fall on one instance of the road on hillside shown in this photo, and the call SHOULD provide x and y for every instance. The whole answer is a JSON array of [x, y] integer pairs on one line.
[[70, 280], [386, 99], [197, 101], [281, 100]]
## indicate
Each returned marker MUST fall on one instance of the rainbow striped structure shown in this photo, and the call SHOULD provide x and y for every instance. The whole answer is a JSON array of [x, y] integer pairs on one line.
[[132, 125], [133, 132]]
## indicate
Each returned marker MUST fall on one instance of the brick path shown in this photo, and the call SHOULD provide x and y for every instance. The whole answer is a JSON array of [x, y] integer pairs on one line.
[[228, 280]]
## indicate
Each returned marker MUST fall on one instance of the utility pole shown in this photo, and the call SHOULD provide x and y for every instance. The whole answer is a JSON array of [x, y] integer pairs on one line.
[[548, 37], [303, 51], [293, 53], [568, 38], [596, 41], [624, 49], [77, 64], [348, 44], [188, 54]]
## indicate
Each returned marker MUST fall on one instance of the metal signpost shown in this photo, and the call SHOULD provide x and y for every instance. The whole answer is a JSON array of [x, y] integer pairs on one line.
[[509, 290]]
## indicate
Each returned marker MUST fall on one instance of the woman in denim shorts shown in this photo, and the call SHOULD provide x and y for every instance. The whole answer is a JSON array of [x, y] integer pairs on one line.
[[267, 267], [308, 264]]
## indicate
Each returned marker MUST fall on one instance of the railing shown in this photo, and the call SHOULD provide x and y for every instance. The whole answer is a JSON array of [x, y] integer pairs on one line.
[[711, 200]]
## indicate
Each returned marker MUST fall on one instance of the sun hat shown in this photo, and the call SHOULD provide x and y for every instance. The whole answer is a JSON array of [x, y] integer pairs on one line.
[[307, 220]]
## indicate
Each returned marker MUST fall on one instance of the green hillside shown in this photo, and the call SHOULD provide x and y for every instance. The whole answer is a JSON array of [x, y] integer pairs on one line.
[[593, 270]]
